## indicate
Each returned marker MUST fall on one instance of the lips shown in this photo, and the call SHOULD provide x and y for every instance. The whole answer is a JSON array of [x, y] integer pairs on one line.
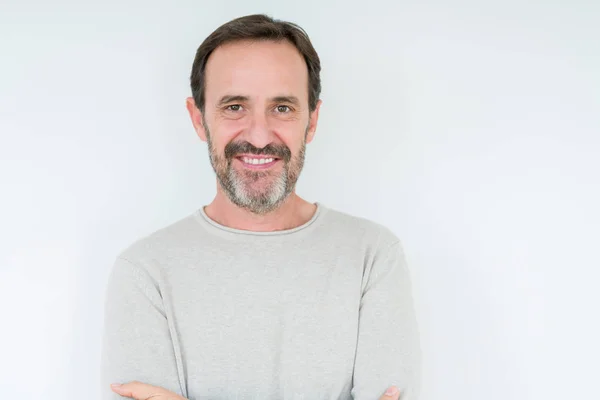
[[256, 156]]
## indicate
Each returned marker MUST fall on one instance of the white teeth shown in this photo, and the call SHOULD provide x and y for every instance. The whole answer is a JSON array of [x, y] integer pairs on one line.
[[257, 161]]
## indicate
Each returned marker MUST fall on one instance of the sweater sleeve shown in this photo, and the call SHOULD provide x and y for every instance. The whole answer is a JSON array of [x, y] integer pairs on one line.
[[388, 349], [136, 340]]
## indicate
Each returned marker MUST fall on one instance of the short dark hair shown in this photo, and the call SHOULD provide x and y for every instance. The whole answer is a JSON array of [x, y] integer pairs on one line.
[[257, 27]]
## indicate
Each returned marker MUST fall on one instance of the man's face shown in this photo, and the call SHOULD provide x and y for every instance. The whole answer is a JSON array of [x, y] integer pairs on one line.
[[256, 121]]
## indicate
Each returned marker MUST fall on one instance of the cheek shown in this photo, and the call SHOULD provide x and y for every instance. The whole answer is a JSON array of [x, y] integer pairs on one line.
[[224, 132], [230, 126], [292, 133], [295, 144]]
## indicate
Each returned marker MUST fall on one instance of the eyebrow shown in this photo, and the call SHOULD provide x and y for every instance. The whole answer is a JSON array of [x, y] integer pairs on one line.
[[286, 99], [277, 99], [230, 98]]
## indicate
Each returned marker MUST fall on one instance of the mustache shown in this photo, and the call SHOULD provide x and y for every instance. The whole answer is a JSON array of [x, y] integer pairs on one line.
[[232, 149]]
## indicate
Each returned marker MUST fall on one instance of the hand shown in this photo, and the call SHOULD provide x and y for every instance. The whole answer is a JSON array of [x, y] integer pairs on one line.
[[394, 393], [141, 391]]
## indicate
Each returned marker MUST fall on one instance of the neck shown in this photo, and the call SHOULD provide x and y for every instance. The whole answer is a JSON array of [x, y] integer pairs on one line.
[[293, 212]]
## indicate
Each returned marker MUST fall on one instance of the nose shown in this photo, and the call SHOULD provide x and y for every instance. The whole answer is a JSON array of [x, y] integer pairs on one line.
[[259, 132]]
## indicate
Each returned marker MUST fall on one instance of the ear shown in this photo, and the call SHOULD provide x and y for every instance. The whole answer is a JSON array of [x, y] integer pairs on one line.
[[312, 122], [196, 117]]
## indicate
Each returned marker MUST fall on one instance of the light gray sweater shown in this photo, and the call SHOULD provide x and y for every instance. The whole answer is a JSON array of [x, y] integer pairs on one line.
[[321, 311]]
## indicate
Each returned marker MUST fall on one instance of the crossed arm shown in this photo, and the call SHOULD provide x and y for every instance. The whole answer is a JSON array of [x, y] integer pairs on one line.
[[142, 391], [388, 348]]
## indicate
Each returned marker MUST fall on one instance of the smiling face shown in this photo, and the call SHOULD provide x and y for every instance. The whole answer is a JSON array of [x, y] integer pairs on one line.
[[256, 121]]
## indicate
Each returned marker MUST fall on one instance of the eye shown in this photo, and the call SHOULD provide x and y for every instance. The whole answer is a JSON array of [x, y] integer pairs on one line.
[[283, 109], [234, 107]]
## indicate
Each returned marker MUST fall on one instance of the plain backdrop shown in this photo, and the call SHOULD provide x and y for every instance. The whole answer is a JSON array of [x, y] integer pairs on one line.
[[470, 128]]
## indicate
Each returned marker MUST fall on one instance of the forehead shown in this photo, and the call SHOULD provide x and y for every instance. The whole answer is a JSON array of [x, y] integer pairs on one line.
[[257, 69]]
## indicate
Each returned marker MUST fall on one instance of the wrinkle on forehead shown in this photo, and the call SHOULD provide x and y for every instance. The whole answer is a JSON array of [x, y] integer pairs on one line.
[[258, 70]]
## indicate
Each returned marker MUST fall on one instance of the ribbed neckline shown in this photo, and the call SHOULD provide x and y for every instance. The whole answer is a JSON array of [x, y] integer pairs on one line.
[[210, 224]]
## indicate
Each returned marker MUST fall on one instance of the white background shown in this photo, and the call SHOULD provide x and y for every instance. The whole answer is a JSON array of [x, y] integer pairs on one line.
[[470, 128]]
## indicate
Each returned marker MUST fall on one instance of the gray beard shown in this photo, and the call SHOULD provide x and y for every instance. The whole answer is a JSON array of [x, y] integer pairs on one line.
[[236, 185]]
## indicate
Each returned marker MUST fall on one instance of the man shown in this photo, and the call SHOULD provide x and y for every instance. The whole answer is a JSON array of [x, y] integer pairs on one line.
[[260, 294]]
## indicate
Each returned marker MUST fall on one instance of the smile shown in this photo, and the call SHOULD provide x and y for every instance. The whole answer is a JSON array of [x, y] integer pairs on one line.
[[257, 162]]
